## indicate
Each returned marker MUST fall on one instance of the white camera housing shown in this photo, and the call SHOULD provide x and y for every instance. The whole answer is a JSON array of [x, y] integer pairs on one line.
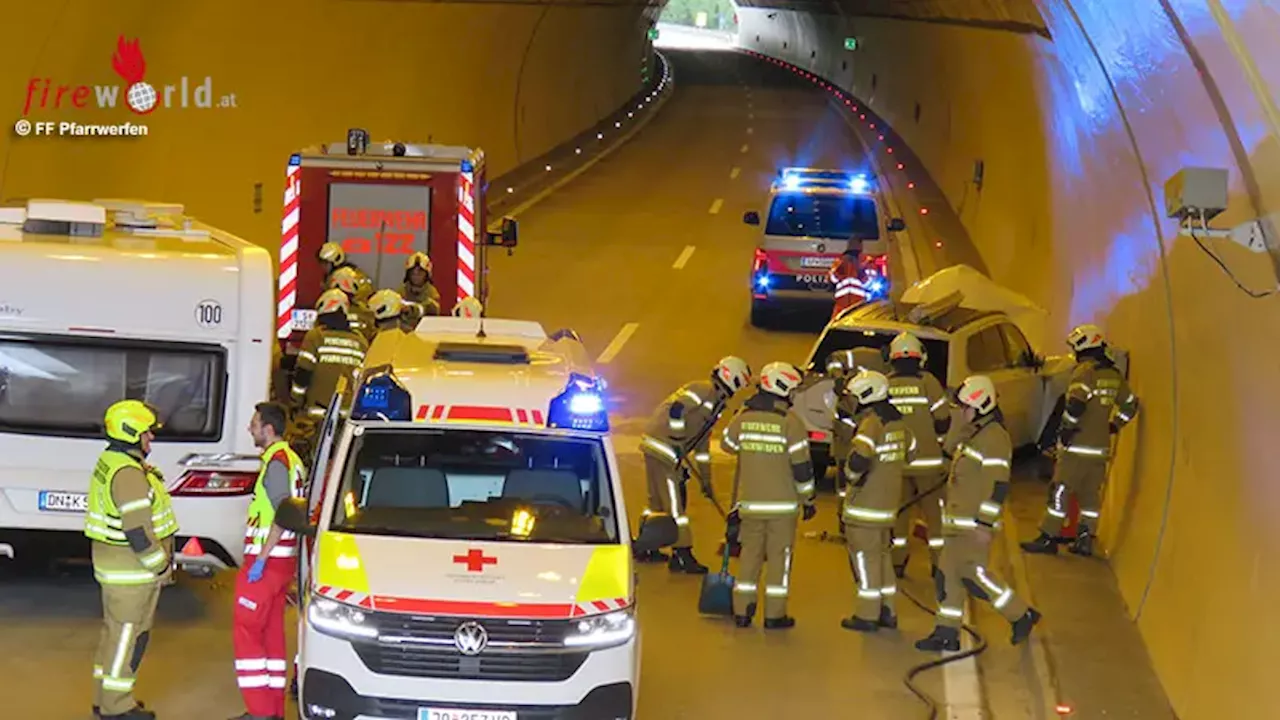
[[1195, 192]]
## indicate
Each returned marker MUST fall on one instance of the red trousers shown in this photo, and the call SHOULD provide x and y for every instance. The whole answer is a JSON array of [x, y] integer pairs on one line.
[[261, 670]]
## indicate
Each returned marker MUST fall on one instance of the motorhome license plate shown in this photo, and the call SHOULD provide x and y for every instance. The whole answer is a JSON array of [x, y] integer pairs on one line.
[[817, 262], [52, 501], [304, 319], [462, 714]]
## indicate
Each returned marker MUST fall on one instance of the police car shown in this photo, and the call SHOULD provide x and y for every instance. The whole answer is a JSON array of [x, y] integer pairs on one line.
[[813, 215], [471, 556]]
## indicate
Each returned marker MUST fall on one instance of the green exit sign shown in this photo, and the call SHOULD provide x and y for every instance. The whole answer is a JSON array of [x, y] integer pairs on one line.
[[653, 33], [851, 43]]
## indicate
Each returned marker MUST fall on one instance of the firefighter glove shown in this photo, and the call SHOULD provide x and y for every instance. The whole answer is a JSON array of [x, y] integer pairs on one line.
[[810, 510], [255, 571]]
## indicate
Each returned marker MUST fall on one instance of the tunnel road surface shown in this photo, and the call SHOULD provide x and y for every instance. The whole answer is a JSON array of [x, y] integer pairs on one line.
[[646, 256]]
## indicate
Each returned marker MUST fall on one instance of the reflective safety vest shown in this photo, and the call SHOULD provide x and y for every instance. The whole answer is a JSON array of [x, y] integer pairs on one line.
[[262, 513], [104, 522], [847, 278]]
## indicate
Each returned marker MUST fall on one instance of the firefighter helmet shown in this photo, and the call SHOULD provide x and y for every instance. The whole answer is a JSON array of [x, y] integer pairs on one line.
[[733, 372], [906, 345], [977, 392], [331, 253], [779, 378], [468, 307], [868, 387], [1086, 337], [345, 279], [331, 301], [386, 304], [417, 260], [128, 420]]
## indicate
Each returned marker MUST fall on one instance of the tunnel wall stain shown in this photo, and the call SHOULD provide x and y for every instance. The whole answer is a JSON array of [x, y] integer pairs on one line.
[[1077, 136], [514, 80]]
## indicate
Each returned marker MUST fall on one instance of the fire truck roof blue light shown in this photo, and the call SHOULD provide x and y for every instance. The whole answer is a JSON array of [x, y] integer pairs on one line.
[[295, 159], [467, 166]]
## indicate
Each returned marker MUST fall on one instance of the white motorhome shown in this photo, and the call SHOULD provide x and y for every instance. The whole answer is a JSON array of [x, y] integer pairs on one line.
[[116, 299]]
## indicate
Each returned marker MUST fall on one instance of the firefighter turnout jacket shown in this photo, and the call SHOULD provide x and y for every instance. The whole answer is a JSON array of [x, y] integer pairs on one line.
[[129, 507], [979, 480], [842, 365], [678, 421], [775, 475], [1099, 402], [923, 404], [326, 355], [880, 451]]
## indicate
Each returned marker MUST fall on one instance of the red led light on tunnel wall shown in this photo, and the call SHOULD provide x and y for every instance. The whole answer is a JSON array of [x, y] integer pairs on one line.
[[872, 126], [901, 166], [882, 137], [889, 150], [924, 211], [862, 117], [911, 186]]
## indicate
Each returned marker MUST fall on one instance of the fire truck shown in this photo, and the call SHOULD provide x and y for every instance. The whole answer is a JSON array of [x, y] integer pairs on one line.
[[382, 203]]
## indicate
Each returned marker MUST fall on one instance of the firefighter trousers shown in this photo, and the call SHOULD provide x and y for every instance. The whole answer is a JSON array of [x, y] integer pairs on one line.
[[965, 573], [127, 613], [926, 490], [665, 496], [869, 547], [767, 544], [1079, 476], [259, 641]]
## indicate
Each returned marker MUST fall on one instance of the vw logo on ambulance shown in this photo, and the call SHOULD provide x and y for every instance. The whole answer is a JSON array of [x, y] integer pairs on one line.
[[471, 638]]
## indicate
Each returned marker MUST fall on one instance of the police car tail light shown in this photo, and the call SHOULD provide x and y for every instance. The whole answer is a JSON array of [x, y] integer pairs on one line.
[[214, 482], [339, 620], [605, 630], [581, 406], [382, 397]]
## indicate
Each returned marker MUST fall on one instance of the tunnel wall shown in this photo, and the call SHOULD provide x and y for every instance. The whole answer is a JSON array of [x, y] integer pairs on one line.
[[1077, 135], [512, 79]]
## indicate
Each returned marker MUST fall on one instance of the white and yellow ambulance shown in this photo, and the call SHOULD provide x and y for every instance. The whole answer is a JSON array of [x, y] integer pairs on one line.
[[471, 556]]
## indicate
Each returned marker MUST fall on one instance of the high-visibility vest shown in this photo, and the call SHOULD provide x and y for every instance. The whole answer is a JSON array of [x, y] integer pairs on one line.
[[104, 522], [262, 513]]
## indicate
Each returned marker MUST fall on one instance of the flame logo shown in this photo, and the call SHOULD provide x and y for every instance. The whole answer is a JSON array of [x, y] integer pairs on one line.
[[129, 63]]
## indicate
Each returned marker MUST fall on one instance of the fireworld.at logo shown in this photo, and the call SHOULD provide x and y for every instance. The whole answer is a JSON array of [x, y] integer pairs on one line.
[[140, 96]]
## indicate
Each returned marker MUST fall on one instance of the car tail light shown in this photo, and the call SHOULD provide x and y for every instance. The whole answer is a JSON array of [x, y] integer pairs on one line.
[[215, 482], [817, 436], [760, 263]]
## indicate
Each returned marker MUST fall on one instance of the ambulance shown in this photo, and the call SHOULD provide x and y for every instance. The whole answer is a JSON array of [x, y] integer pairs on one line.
[[115, 299], [469, 556]]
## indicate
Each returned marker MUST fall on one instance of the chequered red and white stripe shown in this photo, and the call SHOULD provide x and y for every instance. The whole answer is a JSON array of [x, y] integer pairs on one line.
[[287, 298], [363, 600], [466, 235], [597, 607], [532, 417]]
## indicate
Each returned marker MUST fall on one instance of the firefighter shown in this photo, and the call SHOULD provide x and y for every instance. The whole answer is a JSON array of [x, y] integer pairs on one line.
[[681, 426], [388, 310], [270, 559], [332, 258], [418, 287], [468, 307], [1099, 403], [846, 275], [841, 366], [130, 520], [355, 287], [774, 481], [976, 489], [329, 350], [880, 451], [923, 403]]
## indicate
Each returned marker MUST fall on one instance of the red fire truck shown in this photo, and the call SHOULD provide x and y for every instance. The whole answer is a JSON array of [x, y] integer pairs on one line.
[[382, 203]]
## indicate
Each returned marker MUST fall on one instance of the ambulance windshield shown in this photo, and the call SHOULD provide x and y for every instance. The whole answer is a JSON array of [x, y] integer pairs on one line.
[[477, 485]]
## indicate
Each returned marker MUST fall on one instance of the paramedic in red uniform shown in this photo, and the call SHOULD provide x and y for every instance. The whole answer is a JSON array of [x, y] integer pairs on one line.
[[847, 277], [270, 561]]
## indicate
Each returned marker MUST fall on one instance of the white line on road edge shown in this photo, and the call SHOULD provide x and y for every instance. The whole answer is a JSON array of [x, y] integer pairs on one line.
[[1039, 655], [684, 257], [615, 345], [744, 148], [960, 684], [716, 205], [733, 174]]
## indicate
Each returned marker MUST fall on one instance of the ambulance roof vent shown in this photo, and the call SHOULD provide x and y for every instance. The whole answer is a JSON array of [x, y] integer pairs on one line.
[[64, 217], [142, 214], [482, 353]]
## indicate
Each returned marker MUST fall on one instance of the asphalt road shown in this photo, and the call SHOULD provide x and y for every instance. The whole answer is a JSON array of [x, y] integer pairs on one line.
[[649, 246]]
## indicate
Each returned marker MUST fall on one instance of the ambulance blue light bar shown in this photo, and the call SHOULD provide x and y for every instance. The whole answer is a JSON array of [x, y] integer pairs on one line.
[[801, 178], [382, 397], [581, 406]]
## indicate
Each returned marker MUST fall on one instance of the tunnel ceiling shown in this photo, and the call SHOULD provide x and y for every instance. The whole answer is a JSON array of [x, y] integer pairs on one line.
[[1021, 15]]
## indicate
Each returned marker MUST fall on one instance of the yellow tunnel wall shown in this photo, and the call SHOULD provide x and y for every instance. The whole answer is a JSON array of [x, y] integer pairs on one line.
[[1071, 213], [515, 80]]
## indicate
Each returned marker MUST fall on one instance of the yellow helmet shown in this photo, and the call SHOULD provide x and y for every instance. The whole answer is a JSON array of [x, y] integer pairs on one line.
[[333, 300], [386, 304], [906, 345], [345, 279], [468, 307], [418, 260], [331, 253], [128, 420]]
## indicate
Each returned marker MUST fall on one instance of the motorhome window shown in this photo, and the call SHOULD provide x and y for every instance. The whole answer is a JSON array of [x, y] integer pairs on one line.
[[62, 387], [837, 217], [847, 339], [477, 485]]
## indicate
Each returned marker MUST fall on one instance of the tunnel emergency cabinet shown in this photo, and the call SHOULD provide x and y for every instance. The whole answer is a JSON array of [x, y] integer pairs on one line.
[[382, 203]]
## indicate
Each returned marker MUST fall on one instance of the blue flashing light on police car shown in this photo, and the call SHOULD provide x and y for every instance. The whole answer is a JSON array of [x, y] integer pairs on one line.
[[876, 285], [382, 397], [791, 182], [467, 166], [860, 184], [580, 407], [762, 281]]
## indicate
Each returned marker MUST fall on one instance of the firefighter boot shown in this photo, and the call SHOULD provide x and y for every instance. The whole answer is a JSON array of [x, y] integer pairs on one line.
[[744, 621], [137, 713], [1042, 545], [683, 561], [1023, 625], [888, 620], [857, 624], [1083, 545], [943, 639], [651, 556], [97, 711], [785, 622]]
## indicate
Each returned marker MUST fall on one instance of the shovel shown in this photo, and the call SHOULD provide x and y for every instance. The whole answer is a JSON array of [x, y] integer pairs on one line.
[[716, 596]]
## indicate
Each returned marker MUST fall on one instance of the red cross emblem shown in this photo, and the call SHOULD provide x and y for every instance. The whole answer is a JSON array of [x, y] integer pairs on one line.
[[475, 560]]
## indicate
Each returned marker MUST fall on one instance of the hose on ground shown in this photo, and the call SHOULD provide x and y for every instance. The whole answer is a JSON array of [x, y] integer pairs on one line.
[[979, 645]]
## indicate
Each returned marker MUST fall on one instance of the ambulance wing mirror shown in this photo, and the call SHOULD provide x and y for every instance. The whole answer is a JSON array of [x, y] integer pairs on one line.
[[896, 225], [751, 217], [657, 531], [292, 516], [508, 235]]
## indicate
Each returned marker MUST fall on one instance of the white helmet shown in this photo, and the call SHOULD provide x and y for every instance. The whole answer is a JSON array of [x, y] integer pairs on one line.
[[906, 345], [468, 307], [331, 253], [733, 372], [779, 378], [978, 392], [386, 304], [868, 386], [1086, 337], [333, 300], [418, 260]]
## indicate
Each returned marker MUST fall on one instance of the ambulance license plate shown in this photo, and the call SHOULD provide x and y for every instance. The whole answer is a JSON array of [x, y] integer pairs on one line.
[[817, 262], [460, 714], [304, 319], [53, 501]]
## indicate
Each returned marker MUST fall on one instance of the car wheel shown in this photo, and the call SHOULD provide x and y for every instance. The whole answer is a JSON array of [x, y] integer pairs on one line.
[[761, 314]]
